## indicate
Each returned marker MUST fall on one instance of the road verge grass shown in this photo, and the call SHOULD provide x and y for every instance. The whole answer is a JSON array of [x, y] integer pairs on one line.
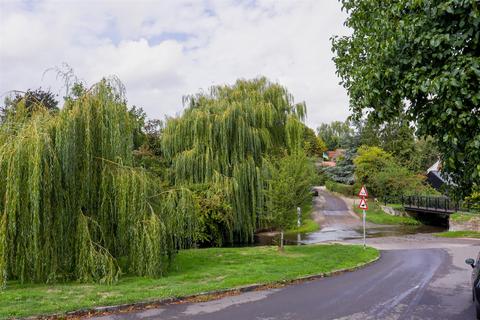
[[376, 215], [193, 272], [458, 234]]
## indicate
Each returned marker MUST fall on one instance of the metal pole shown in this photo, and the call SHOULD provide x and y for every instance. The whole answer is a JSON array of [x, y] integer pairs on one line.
[[364, 241]]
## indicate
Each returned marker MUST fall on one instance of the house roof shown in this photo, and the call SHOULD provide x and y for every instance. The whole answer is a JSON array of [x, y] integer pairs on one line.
[[328, 164], [437, 166]]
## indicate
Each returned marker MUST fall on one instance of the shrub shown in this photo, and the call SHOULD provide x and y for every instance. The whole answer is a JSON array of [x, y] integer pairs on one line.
[[345, 189], [383, 176]]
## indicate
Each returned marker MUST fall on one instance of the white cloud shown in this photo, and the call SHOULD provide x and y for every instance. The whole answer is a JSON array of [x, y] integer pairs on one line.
[[163, 50]]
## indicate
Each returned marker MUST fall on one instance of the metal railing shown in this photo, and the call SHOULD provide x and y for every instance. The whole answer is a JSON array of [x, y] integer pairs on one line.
[[441, 204]]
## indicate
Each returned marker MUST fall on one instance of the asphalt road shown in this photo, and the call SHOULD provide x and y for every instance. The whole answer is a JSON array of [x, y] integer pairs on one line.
[[417, 277]]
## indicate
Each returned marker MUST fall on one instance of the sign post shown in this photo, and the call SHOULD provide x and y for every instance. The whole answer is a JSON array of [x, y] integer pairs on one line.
[[363, 194]]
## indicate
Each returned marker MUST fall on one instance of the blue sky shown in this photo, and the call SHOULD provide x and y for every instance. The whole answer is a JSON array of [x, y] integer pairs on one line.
[[163, 50]]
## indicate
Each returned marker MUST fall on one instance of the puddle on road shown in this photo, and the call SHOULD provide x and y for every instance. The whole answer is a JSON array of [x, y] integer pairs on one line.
[[339, 234]]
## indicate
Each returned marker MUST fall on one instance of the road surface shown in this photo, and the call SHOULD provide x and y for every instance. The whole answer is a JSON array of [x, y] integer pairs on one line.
[[417, 277]]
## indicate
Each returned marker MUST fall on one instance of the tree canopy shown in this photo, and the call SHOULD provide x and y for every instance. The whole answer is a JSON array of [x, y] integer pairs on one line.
[[296, 174], [335, 134], [422, 58], [383, 175], [224, 138], [312, 144], [72, 204], [30, 101]]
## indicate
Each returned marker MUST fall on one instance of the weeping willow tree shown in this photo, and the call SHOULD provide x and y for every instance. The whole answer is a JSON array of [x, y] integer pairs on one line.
[[72, 204], [223, 139]]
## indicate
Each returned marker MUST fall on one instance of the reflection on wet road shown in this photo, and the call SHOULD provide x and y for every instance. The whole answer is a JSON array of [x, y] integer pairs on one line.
[[338, 222]]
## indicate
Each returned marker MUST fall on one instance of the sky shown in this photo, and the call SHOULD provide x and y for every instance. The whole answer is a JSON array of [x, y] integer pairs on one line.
[[165, 49]]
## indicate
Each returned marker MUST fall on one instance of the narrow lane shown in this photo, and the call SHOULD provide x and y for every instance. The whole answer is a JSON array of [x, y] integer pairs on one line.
[[335, 217]]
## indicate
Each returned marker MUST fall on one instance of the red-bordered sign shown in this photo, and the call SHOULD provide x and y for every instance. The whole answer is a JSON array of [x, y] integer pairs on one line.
[[363, 204], [363, 192]]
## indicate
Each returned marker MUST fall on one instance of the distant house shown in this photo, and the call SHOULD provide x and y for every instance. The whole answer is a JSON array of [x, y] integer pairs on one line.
[[330, 157], [434, 175]]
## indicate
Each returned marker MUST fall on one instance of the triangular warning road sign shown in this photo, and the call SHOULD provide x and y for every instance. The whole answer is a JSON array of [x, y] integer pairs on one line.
[[363, 204], [363, 192]]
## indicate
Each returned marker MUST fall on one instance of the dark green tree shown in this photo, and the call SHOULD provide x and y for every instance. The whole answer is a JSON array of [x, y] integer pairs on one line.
[[335, 134], [30, 101], [421, 57], [395, 136], [312, 145]]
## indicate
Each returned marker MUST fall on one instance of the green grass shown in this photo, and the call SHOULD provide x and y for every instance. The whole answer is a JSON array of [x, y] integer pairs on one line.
[[462, 217], [375, 214], [194, 271], [308, 224], [458, 234], [396, 206]]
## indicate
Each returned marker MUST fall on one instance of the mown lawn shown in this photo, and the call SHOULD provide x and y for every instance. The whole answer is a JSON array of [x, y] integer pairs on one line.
[[194, 271], [458, 234], [375, 214]]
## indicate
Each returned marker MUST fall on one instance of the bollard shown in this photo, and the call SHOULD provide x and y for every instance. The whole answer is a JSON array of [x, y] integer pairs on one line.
[[299, 216]]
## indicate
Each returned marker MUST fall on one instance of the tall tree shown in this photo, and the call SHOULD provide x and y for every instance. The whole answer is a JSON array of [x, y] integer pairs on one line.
[[395, 136], [335, 134], [288, 188], [421, 57], [224, 137], [312, 144], [72, 204]]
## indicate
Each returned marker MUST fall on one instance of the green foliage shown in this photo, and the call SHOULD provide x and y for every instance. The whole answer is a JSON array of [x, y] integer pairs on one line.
[[421, 58], [289, 187], [345, 189], [473, 200], [313, 145], [395, 137], [425, 155], [343, 172], [216, 215], [370, 161], [224, 136], [31, 100], [383, 176], [72, 203], [335, 134], [375, 214], [462, 217]]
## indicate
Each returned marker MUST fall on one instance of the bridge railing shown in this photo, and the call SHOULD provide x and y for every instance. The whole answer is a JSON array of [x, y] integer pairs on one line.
[[439, 203], [433, 203]]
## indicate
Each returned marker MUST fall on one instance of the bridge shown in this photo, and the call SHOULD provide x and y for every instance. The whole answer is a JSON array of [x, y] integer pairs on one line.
[[431, 204]]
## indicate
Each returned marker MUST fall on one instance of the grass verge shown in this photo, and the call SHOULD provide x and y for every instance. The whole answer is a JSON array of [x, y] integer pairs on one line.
[[396, 206], [194, 271], [458, 234], [308, 224], [375, 214], [463, 217]]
